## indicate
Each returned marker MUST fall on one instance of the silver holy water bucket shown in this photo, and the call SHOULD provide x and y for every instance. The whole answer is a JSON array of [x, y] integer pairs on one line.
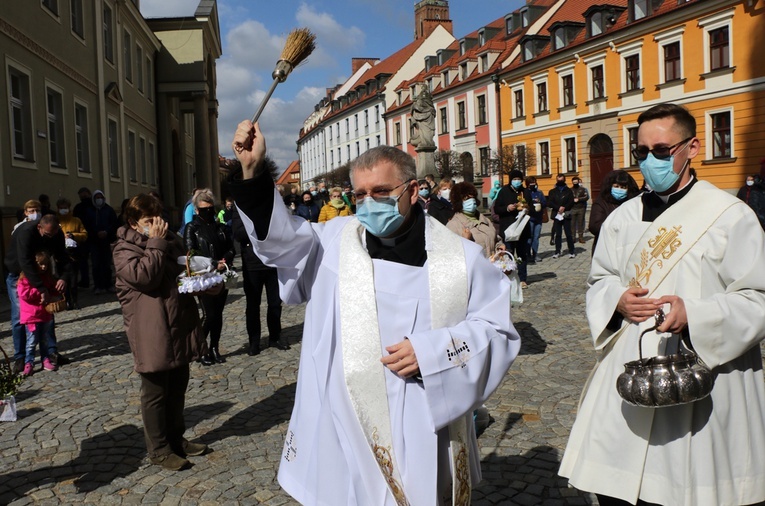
[[664, 380]]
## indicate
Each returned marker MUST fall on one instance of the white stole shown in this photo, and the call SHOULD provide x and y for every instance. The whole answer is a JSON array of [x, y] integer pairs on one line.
[[362, 349]]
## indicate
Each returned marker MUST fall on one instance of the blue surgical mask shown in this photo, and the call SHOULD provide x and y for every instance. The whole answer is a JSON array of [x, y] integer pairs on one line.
[[659, 174], [619, 193], [517, 183], [469, 206], [380, 216], [145, 231], [314, 192], [424, 193]]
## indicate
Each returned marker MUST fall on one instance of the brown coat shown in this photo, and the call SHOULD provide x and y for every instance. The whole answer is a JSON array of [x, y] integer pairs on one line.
[[483, 231], [162, 325]]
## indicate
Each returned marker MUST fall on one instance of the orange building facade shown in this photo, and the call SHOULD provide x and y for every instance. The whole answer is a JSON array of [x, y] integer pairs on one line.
[[573, 90]]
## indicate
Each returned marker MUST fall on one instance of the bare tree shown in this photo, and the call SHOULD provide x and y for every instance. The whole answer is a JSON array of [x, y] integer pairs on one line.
[[512, 157], [451, 164], [339, 176]]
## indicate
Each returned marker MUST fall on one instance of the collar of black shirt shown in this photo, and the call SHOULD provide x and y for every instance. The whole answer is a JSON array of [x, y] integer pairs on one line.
[[409, 247], [653, 206]]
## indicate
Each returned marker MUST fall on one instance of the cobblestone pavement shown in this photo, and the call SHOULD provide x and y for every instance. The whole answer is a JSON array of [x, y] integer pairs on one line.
[[79, 435]]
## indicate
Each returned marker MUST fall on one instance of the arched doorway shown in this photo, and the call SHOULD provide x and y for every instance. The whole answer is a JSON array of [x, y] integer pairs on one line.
[[601, 161], [466, 163]]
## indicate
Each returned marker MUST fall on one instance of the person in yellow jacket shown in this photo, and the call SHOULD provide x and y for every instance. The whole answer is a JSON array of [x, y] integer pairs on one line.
[[75, 237], [336, 206]]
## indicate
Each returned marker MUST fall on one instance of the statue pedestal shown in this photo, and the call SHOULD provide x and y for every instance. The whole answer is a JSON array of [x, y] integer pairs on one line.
[[426, 164]]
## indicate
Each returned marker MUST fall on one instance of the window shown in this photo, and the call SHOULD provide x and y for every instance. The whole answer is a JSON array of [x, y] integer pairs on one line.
[[463, 71], [570, 154], [367, 143], [332, 159], [347, 126], [544, 157], [482, 110], [113, 136], [51, 5], [75, 6], [358, 149], [377, 114], [127, 51], [639, 9], [542, 97], [108, 34], [81, 137], [356, 122], [567, 86], [149, 79], [397, 135], [718, 48], [597, 82], [461, 123], [337, 134], [366, 117], [632, 135], [378, 140], [56, 128], [518, 94], [132, 168], [152, 165], [485, 160], [142, 156], [520, 157], [632, 66], [596, 24], [339, 158], [484, 62], [444, 120], [139, 67], [721, 135], [672, 68], [348, 151], [21, 115], [481, 37]]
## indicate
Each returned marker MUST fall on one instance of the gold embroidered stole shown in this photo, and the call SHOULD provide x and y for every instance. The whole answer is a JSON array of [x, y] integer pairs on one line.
[[362, 348]]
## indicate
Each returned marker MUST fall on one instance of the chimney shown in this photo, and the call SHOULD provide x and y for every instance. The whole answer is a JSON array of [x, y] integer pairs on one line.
[[357, 63]]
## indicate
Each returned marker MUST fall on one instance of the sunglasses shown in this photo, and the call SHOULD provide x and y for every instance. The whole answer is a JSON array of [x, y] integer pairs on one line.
[[660, 153]]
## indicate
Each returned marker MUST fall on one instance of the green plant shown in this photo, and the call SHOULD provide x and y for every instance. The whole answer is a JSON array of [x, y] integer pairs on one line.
[[9, 380]]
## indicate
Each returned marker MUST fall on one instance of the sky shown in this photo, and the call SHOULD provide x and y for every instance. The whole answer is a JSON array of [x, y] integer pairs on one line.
[[253, 34]]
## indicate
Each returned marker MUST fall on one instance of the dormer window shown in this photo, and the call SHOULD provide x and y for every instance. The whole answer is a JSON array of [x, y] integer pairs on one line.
[[638, 9], [462, 47], [440, 55], [464, 71], [533, 46], [484, 62], [524, 18], [445, 78], [595, 24], [564, 34], [509, 24], [481, 37]]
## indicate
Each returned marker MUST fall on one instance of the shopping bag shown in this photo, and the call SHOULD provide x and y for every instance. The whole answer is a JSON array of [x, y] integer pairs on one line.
[[514, 231]]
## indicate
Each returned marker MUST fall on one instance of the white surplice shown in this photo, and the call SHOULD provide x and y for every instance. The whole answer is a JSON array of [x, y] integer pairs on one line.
[[326, 459], [710, 452]]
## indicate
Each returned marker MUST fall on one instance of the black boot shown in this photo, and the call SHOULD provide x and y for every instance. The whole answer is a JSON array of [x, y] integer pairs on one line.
[[279, 343], [206, 359], [216, 356], [253, 347]]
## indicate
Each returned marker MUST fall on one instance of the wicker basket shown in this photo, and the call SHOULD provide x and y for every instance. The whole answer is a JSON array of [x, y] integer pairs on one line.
[[56, 306]]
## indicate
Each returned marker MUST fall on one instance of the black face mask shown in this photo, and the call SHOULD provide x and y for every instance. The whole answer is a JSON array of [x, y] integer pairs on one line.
[[532, 187], [207, 214], [560, 183], [576, 185]]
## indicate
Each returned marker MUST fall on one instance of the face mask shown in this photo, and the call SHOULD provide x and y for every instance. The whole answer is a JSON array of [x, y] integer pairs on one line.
[[338, 203], [576, 185], [207, 214], [63, 211], [469, 206], [560, 183], [659, 174], [424, 193], [99, 202], [619, 193], [380, 217], [517, 183], [445, 194], [750, 183], [497, 185], [33, 216], [145, 231], [533, 187], [314, 193]]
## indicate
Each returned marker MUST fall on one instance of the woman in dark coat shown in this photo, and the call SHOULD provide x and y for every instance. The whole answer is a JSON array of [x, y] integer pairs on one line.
[[617, 188], [207, 237], [162, 327], [308, 210]]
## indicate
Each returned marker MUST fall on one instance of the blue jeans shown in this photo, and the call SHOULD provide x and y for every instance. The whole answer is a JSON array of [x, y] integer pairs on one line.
[[17, 329], [43, 334], [536, 231]]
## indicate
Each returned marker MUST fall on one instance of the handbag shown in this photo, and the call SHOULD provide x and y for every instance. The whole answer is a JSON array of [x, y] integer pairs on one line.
[[545, 215], [514, 231]]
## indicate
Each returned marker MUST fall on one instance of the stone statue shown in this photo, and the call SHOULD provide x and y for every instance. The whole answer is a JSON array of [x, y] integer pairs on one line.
[[424, 117]]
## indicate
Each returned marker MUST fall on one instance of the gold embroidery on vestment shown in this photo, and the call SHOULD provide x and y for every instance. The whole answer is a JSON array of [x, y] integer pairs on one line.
[[384, 458], [662, 247], [462, 475]]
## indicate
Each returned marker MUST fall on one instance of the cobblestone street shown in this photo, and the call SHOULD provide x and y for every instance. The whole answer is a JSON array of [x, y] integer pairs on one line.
[[79, 435]]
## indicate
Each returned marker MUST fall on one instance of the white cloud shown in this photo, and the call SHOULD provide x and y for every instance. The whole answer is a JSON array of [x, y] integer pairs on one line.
[[168, 8], [251, 44], [328, 31]]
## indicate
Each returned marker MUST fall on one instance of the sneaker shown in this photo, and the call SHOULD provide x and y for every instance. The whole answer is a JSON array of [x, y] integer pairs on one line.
[[571, 255], [49, 365], [524, 285], [170, 461], [556, 255], [29, 369], [537, 259]]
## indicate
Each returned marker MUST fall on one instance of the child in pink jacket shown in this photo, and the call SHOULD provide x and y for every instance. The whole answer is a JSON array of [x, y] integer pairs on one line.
[[39, 322]]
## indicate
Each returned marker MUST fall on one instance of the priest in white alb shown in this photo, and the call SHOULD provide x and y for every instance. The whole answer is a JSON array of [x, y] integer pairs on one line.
[[698, 253], [407, 330]]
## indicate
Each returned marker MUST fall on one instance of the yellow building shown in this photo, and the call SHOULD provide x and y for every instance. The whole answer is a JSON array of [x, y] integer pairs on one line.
[[574, 88]]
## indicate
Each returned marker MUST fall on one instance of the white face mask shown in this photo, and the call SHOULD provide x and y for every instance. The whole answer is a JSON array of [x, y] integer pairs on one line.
[[445, 194], [750, 183], [33, 216], [63, 211]]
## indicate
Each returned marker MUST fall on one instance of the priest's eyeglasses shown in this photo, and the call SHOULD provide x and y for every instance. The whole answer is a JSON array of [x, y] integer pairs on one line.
[[660, 153], [379, 194]]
